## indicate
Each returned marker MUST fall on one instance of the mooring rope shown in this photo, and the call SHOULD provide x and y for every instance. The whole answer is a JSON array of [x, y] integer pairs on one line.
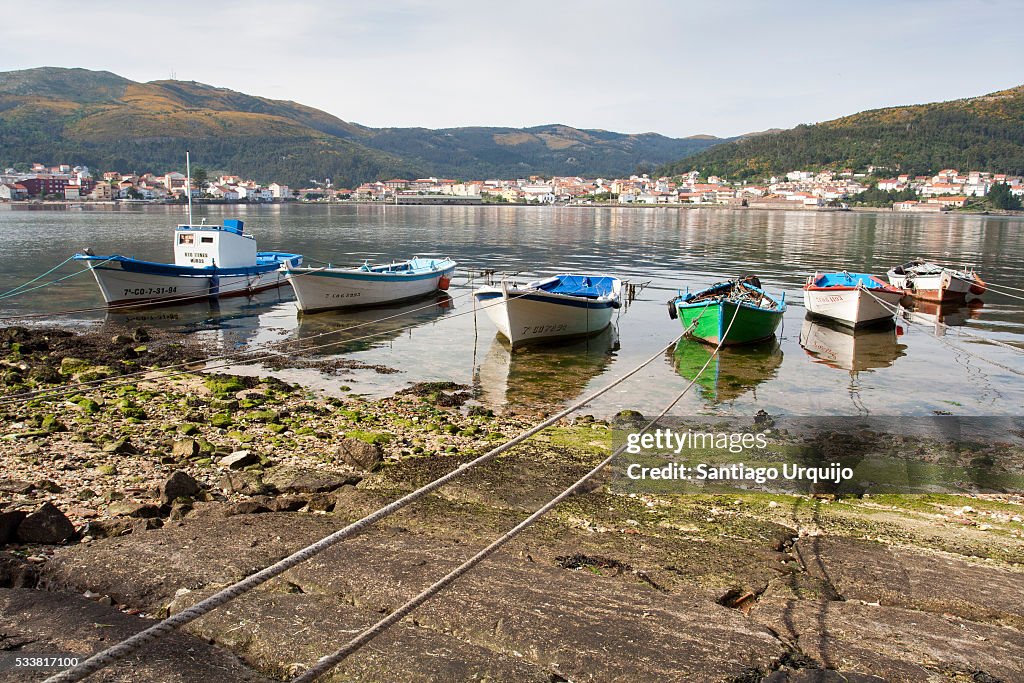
[[13, 290], [994, 290], [960, 349], [126, 647], [325, 664]]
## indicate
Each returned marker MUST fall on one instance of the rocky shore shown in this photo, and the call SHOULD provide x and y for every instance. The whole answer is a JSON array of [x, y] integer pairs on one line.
[[130, 500]]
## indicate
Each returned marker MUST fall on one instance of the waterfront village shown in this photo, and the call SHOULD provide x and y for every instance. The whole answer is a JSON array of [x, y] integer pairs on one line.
[[948, 189]]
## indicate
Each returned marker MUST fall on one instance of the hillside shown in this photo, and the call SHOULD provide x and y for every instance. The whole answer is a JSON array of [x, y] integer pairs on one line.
[[479, 152], [105, 121], [983, 133]]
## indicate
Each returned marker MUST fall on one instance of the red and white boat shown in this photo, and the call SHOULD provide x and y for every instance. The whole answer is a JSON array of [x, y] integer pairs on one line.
[[931, 282], [853, 299]]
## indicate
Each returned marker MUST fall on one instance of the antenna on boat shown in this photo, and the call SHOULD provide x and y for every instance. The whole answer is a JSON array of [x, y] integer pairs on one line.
[[188, 185]]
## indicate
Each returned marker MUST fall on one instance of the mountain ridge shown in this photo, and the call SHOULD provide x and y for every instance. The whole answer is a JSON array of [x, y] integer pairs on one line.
[[107, 121]]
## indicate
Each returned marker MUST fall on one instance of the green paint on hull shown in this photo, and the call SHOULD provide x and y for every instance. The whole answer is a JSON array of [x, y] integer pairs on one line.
[[751, 324]]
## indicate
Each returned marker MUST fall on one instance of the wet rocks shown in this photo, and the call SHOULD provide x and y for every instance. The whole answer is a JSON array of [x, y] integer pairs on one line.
[[46, 525]]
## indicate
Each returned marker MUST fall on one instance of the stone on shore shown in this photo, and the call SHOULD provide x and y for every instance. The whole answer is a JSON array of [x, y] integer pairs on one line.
[[9, 522], [302, 480], [46, 525], [179, 485], [359, 454], [184, 448], [239, 460]]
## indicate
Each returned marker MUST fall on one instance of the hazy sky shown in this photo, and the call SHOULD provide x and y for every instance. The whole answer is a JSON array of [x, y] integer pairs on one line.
[[677, 68]]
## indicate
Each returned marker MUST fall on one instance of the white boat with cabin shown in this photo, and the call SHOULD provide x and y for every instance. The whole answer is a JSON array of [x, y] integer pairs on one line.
[[557, 307], [209, 261]]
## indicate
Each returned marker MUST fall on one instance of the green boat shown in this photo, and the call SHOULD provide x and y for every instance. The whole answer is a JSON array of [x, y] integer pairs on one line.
[[711, 314]]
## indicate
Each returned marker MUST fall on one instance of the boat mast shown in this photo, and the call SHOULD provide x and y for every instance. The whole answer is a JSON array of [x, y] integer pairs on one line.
[[188, 186]]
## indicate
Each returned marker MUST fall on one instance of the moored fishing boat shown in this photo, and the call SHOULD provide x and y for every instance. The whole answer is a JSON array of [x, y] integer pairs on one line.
[[729, 313], [557, 307], [932, 282], [209, 261], [324, 289], [854, 299]]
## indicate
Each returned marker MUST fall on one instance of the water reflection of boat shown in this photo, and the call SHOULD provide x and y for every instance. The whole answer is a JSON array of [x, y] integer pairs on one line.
[[944, 315], [733, 372], [853, 350], [542, 376], [359, 330], [235, 321]]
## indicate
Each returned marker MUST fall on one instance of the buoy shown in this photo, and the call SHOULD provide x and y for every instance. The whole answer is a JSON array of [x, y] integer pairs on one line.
[[979, 287], [443, 283]]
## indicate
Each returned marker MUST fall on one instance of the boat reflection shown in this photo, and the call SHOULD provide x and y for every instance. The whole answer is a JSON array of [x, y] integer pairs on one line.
[[852, 350], [230, 323], [337, 332], [940, 316], [733, 372], [543, 376]]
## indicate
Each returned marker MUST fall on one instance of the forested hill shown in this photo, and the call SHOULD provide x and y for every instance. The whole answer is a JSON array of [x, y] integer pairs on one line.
[[982, 133], [105, 121]]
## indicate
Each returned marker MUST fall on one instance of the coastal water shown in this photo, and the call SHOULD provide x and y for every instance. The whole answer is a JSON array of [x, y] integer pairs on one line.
[[922, 367]]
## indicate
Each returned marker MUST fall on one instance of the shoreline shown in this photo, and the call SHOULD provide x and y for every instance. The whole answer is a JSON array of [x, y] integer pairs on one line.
[[83, 205], [175, 484]]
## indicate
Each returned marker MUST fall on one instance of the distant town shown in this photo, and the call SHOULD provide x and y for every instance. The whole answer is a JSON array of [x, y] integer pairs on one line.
[[948, 189]]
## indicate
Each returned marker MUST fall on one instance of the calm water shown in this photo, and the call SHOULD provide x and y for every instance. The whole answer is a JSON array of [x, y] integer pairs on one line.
[[810, 369]]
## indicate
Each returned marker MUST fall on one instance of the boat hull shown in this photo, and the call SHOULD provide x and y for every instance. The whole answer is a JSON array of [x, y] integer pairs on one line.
[[711, 321], [523, 317], [327, 290], [852, 306], [939, 287], [126, 282]]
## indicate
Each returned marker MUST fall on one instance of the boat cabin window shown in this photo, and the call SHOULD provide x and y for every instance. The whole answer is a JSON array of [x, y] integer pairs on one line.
[[186, 238], [206, 240]]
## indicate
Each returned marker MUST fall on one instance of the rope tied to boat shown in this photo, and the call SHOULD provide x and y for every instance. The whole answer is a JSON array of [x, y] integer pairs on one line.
[[121, 650], [18, 290], [325, 664], [896, 309]]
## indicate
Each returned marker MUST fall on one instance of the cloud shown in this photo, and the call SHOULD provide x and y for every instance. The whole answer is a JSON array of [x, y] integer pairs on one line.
[[670, 67]]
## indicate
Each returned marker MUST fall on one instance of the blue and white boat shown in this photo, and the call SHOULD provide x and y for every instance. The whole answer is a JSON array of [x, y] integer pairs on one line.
[[553, 308], [326, 289], [209, 261]]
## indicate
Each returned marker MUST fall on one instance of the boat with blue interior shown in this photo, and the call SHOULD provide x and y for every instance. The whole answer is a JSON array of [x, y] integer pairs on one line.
[[557, 307], [209, 261], [854, 299], [326, 289]]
